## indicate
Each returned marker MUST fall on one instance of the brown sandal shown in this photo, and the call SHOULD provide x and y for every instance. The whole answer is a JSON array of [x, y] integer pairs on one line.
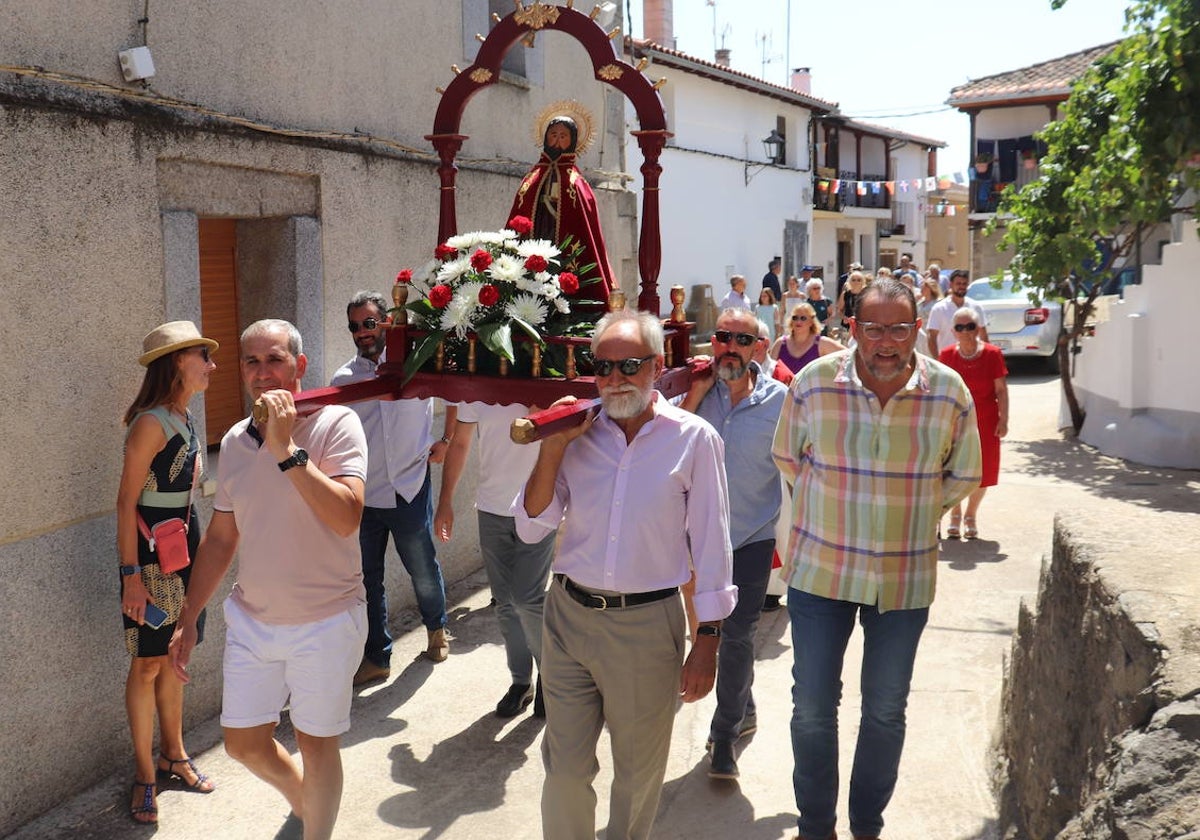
[[168, 774], [147, 807]]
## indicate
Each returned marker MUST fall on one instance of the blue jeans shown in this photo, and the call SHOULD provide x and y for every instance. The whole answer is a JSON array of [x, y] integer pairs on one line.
[[517, 573], [820, 632], [735, 658], [409, 523]]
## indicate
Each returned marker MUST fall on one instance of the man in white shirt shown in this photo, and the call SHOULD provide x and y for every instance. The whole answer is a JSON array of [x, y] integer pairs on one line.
[[641, 495], [517, 571], [401, 447], [940, 328], [736, 297]]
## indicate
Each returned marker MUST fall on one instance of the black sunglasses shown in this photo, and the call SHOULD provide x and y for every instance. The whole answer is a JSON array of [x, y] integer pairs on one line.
[[629, 367], [965, 327], [742, 339], [367, 324], [203, 352]]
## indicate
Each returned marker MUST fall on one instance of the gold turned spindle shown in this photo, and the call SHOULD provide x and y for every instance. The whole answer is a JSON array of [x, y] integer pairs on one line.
[[616, 300], [677, 313], [571, 374], [399, 298], [503, 366], [439, 362], [669, 348], [471, 355], [537, 360]]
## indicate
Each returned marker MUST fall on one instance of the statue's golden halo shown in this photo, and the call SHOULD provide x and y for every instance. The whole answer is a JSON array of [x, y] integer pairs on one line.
[[566, 108]]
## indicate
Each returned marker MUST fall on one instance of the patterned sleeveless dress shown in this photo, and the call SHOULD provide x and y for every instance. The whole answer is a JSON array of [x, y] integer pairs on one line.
[[165, 495]]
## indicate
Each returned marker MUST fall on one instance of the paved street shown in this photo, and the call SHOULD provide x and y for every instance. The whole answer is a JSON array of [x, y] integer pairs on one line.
[[427, 759]]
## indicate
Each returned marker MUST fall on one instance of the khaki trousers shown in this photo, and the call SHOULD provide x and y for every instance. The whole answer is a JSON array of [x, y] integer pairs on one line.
[[618, 668]]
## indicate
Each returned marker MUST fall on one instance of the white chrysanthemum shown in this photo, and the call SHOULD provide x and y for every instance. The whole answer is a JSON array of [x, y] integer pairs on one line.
[[422, 279], [506, 269], [528, 308], [560, 303], [452, 270], [469, 291], [541, 247], [549, 290], [528, 284], [457, 315]]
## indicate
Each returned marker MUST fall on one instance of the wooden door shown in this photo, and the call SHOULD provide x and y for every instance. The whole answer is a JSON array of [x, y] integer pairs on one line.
[[219, 317]]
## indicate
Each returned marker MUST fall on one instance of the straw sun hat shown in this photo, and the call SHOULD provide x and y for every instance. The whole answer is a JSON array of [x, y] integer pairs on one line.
[[172, 336]]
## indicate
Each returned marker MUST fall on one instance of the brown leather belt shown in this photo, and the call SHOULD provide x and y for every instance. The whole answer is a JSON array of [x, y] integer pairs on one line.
[[596, 601]]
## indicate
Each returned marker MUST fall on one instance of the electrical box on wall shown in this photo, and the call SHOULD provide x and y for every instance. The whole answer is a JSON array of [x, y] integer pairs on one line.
[[136, 64]]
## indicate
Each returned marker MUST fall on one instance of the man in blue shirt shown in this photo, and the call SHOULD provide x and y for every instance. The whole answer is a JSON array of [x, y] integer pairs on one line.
[[743, 405]]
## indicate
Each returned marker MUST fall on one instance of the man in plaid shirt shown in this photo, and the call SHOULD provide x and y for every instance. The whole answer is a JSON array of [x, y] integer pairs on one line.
[[877, 442]]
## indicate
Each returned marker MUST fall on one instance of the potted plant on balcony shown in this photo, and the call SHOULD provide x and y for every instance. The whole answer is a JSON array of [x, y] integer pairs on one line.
[[982, 161]]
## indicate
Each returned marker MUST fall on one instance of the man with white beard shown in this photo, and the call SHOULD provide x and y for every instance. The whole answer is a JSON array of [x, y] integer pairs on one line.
[[640, 492], [743, 403]]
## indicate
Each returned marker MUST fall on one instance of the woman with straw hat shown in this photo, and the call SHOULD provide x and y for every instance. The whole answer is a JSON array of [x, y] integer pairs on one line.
[[161, 466]]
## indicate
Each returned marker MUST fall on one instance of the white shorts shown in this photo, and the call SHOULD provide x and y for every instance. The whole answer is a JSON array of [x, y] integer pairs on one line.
[[312, 663]]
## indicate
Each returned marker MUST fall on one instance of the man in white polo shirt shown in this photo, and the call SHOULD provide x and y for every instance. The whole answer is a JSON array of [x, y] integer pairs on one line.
[[289, 496], [517, 571]]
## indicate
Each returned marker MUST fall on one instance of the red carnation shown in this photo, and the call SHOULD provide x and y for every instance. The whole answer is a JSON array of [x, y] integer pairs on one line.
[[489, 296], [520, 224], [440, 296], [444, 252], [480, 260], [568, 282], [404, 276], [536, 263]]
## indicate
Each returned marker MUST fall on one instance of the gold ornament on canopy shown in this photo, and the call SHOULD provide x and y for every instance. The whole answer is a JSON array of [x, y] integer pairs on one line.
[[584, 123]]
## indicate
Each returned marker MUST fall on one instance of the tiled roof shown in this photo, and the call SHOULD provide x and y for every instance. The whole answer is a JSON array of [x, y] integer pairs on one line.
[[689, 63], [1048, 80]]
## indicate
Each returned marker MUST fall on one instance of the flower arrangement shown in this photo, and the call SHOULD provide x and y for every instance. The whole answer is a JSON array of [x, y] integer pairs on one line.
[[488, 284]]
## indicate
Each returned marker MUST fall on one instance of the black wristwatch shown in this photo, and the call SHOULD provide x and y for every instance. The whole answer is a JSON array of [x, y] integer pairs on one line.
[[298, 459], [126, 571], [709, 630]]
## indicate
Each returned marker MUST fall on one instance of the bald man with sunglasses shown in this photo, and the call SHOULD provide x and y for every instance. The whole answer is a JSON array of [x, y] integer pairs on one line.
[[640, 492], [743, 404]]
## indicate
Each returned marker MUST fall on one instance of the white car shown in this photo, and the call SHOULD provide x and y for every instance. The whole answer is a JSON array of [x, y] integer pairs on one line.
[[1016, 326]]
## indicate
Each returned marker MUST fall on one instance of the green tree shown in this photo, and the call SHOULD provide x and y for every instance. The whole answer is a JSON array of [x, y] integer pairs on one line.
[[1121, 160]]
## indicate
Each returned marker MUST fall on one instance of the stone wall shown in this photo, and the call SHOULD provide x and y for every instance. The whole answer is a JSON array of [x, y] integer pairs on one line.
[[1100, 731]]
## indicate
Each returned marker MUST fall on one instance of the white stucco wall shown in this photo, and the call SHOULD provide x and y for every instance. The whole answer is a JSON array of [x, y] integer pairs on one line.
[[1136, 377], [713, 222]]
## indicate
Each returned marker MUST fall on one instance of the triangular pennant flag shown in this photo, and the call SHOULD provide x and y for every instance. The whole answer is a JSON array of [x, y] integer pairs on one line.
[[875, 188], [822, 186], [835, 184], [860, 187], [891, 187], [904, 186], [931, 183], [950, 211], [916, 183], [958, 177]]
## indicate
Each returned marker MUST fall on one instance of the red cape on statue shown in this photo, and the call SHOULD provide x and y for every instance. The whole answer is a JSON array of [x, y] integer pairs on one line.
[[577, 218]]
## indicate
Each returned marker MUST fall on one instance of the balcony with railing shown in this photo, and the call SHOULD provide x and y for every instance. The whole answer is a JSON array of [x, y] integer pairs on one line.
[[836, 192], [990, 176]]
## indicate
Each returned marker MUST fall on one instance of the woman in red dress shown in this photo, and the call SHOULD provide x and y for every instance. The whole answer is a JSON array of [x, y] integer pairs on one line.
[[981, 365]]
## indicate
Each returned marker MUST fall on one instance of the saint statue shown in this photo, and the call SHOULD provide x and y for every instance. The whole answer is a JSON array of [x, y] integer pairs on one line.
[[561, 204]]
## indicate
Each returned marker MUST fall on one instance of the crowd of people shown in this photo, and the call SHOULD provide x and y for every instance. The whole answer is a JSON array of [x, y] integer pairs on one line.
[[597, 542]]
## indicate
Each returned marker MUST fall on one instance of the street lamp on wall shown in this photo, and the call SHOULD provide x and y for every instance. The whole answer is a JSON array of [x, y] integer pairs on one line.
[[773, 145]]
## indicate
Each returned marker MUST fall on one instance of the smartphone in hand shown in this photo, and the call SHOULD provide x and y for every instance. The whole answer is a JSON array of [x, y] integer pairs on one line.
[[155, 616]]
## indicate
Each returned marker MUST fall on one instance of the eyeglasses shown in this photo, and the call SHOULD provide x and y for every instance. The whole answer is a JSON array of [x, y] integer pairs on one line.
[[367, 324], [800, 318], [629, 367], [203, 351], [971, 327], [896, 332], [742, 339]]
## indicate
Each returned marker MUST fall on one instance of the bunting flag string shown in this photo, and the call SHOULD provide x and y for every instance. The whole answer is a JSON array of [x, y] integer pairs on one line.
[[905, 185]]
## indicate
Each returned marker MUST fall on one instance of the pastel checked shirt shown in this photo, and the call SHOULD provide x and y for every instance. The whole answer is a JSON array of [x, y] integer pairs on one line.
[[870, 482]]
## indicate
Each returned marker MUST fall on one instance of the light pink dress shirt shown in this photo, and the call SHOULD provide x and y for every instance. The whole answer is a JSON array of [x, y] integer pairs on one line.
[[630, 512]]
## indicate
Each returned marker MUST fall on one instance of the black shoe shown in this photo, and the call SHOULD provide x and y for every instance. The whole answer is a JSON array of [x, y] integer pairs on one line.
[[514, 701], [539, 702], [723, 765], [771, 603]]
